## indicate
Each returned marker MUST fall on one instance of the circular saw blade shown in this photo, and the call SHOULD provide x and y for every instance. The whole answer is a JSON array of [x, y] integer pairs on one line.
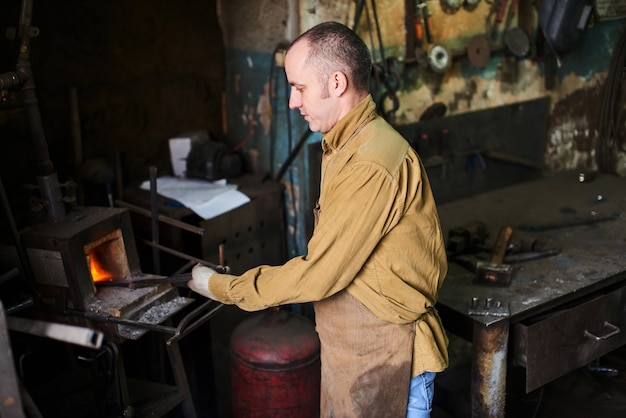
[[439, 58]]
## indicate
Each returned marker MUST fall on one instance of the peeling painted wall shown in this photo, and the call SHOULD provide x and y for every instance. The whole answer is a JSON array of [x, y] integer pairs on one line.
[[574, 88]]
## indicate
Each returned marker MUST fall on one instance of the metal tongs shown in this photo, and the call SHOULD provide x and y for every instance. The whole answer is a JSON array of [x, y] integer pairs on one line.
[[178, 279]]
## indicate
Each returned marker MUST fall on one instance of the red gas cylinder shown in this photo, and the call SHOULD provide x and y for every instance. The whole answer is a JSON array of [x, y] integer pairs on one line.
[[275, 366]]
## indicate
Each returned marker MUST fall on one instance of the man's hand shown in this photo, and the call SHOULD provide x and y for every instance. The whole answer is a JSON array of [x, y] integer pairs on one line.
[[200, 280]]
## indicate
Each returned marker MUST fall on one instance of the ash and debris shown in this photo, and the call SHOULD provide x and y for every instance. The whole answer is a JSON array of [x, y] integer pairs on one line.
[[155, 315], [158, 313]]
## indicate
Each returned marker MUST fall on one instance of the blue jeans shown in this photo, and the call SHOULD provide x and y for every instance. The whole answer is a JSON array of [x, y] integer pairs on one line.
[[421, 395]]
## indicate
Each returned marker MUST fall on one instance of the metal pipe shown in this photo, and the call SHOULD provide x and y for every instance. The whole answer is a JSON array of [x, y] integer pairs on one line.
[[489, 369], [77, 139], [24, 69], [47, 178], [292, 29]]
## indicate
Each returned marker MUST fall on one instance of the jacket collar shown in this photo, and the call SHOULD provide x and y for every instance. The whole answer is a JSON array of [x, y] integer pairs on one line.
[[348, 126]]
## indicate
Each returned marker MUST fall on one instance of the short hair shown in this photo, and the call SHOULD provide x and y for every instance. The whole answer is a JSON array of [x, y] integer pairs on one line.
[[335, 47]]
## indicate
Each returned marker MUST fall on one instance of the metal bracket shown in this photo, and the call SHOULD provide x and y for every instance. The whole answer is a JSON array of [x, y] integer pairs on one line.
[[488, 307]]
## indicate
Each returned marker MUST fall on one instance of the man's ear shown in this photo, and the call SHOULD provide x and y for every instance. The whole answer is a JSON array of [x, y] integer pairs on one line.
[[338, 83]]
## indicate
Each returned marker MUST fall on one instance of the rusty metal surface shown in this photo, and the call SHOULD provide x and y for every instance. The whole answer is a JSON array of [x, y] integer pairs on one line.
[[592, 256], [488, 369], [56, 252]]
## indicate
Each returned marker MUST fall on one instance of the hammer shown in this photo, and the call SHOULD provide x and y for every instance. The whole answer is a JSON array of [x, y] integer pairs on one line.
[[495, 271]]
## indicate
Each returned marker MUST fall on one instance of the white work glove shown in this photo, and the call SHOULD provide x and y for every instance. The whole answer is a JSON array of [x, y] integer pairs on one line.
[[199, 282]]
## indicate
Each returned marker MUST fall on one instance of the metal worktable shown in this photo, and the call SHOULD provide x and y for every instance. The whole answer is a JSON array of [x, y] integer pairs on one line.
[[592, 260]]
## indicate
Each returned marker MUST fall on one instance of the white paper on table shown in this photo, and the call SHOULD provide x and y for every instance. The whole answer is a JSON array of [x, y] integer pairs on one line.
[[207, 199], [179, 150]]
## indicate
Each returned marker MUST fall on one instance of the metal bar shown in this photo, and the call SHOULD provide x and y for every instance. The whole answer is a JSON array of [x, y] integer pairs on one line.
[[123, 394], [17, 237], [162, 218], [26, 303], [9, 275], [10, 398], [189, 264], [591, 219], [154, 218], [513, 159], [183, 329], [177, 332], [178, 279], [488, 382], [72, 334], [30, 407], [104, 317], [220, 269], [180, 377], [531, 255]]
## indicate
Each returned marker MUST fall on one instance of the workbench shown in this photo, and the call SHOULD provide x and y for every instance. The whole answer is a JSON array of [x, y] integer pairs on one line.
[[558, 313]]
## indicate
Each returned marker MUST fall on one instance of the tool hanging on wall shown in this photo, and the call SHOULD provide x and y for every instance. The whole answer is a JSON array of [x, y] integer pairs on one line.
[[438, 57], [498, 9], [517, 42], [384, 72], [515, 38], [479, 51], [423, 22]]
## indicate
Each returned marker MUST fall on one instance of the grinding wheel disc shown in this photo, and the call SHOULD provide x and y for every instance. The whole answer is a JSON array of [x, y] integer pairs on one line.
[[479, 51], [434, 111], [517, 42]]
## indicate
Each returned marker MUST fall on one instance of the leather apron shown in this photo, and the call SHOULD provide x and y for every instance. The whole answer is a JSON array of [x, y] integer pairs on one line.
[[366, 362]]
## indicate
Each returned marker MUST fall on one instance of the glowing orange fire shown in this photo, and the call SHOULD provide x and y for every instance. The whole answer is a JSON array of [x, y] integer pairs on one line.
[[106, 257], [98, 272]]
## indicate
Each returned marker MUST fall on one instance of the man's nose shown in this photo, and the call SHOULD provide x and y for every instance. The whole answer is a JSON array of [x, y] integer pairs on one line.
[[294, 100]]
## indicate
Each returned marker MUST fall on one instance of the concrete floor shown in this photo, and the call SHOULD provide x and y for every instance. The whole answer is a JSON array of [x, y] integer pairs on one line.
[[583, 393]]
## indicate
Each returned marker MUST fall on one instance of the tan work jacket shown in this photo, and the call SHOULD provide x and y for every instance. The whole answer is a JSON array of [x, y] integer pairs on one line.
[[378, 237]]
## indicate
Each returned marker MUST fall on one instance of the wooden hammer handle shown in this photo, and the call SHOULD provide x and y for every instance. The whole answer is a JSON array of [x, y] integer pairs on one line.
[[502, 242]]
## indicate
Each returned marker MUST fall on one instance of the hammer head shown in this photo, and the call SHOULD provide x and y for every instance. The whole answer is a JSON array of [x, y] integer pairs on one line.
[[493, 273]]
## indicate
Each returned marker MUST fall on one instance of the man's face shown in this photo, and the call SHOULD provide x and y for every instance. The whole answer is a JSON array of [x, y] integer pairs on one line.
[[308, 95]]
